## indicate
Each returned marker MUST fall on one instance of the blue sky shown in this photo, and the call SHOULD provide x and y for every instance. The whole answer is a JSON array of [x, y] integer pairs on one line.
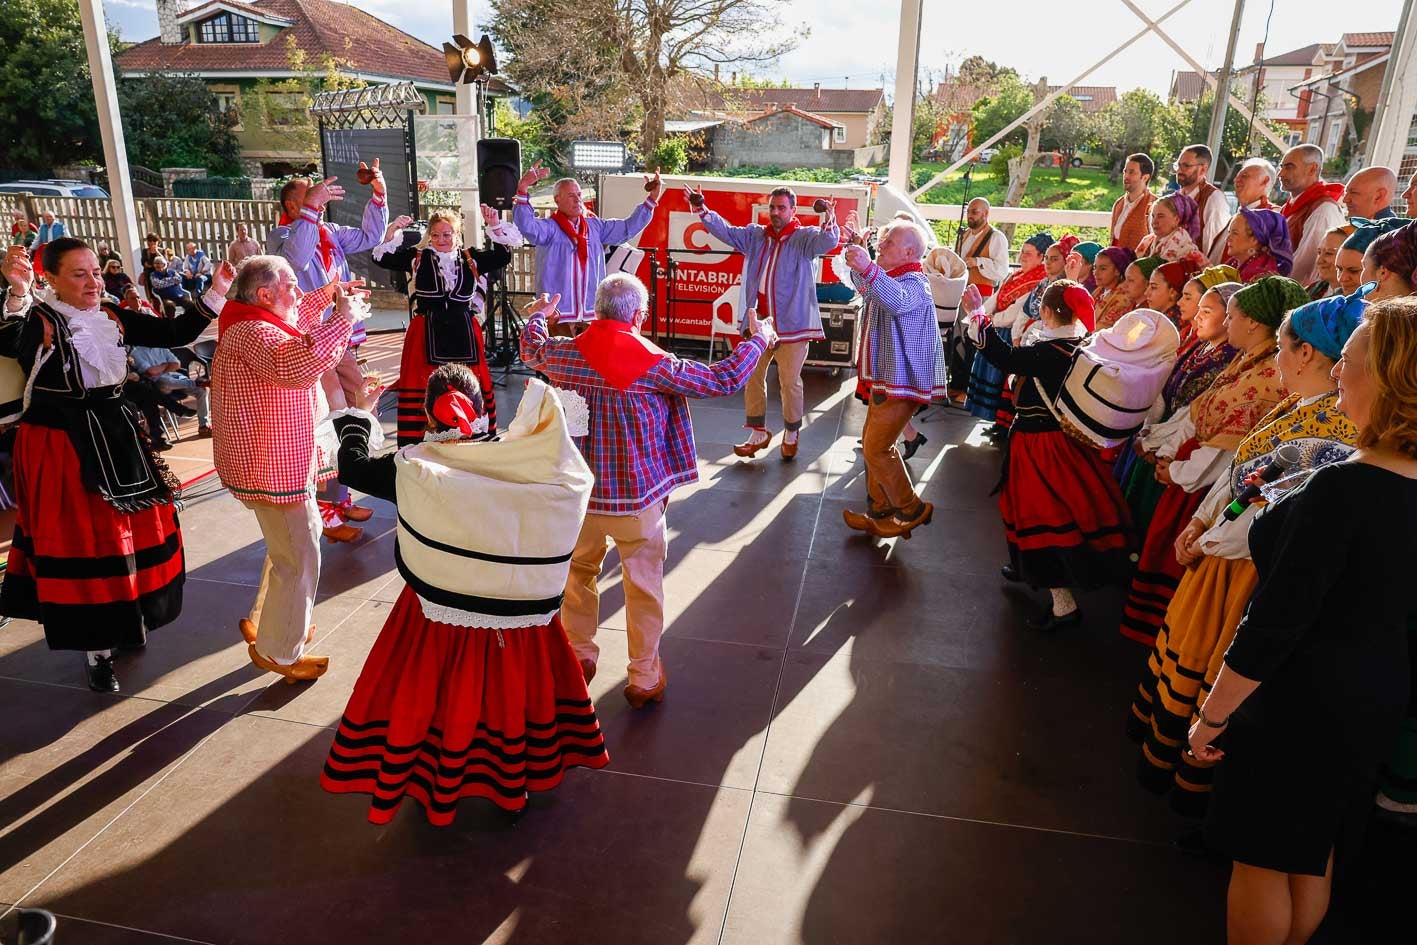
[[853, 42]]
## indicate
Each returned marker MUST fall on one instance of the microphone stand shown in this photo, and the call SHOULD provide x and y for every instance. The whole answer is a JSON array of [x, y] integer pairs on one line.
[[964, 206]]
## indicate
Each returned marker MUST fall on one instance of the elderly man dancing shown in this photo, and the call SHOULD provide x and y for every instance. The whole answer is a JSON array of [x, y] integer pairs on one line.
[[272, 349], [640, 445], [570, 244], [902, 361], [778, 283]]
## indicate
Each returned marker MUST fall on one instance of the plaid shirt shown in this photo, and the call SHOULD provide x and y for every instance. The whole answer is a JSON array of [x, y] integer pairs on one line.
[[901, 353], [641, 442], [265, 397]]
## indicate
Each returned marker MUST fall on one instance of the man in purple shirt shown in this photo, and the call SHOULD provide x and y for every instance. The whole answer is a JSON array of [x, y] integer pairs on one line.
[[319, 253], [640, 444]]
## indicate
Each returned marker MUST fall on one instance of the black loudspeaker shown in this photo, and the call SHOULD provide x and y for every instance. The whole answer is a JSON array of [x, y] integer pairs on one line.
[[499, 168]]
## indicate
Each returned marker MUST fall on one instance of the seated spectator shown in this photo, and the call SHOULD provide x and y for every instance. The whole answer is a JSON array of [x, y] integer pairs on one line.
[[1111, 296], [22, 231], [161, 368], [1391, 262], [115, 281], [1325, 266], [165, 283], [243, 246], [1352, 264], [1259, 244], [196, 270], [50, 230], [132, 301], [105, 253], [1175, 229]]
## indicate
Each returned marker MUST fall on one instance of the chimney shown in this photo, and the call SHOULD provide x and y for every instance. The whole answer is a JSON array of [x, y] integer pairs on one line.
[[167, 13], [817, 87], [1259, 51]]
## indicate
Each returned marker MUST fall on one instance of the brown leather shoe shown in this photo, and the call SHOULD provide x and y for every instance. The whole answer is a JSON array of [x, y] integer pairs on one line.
[[639, 698], [789, 451], [339, 533], [899, 526], [862, 522], [204, 433], [357, 513], [248, 630], [304, 669], [588, 670], [750, 449]]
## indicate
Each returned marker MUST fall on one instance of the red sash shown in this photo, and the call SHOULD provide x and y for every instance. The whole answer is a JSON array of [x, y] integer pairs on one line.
[[327, 243], [235, 312], [771, 246], [618, 353]]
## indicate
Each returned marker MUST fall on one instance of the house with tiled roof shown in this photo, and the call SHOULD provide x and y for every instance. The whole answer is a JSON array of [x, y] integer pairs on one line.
[[1092, 98], [860, 114], [1186, 87], [787, 136], [1348, 85], [252, 55], [1278, 76]]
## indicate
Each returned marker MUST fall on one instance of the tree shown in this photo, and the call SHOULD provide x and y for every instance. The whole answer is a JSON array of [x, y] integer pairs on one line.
[[1021, 167], [283, 106], [991, 114], [1066, 129], [981, 72], [48, 116], [637, 47], [1129, 125], [174, 121]]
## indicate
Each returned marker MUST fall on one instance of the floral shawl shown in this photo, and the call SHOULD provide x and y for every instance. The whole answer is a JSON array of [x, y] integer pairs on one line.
[[1196, 369], [1017, 285], [1242, 394], [1322, 434], [1112, 304], [1174, 246]]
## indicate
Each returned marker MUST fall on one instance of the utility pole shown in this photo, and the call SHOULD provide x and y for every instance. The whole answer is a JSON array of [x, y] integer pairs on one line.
[[1221, 102]]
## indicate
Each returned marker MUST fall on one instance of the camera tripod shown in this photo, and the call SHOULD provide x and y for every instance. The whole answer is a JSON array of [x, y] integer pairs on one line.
[[504, 330]]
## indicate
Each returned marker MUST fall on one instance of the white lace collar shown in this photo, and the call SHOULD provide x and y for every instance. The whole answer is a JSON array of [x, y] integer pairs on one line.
[[98, 344], [479, 428]]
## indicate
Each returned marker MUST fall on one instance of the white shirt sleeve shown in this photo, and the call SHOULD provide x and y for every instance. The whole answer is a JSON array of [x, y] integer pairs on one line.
[[1166, 437], [1325, 217], [1008, 316], [1200, 470], [994, 262]]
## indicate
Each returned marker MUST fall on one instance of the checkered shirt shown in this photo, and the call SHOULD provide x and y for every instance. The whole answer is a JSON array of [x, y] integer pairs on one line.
[[265, 397], [641, 441], [901, 354]]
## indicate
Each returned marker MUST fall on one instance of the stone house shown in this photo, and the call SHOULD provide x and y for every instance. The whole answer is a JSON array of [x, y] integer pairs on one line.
[[787, 137]]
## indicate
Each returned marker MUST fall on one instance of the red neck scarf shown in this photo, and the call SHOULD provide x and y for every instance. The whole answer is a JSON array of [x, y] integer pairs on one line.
[[327, 243], [767, 304], [578, 237], [235, 312], [1319, 191], [617, 352], [1018, 285], [899, 271]]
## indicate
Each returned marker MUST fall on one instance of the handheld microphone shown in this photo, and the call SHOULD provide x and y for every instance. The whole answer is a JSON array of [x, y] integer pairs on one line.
[[1284, 460]]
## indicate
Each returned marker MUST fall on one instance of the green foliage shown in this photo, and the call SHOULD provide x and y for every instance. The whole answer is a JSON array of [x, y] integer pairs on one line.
[[282, 107], [670, 156], [999, 163], [48, 116], [976, 70], [1067, 129], [1085, 188], [174, 121], [992, 113], [1130, 124], [529, 131]]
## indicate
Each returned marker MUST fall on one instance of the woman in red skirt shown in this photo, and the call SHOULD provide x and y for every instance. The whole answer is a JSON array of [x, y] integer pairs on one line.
[[472, 689], [1195, 447], [97, 553], [447, 289], [1064, 515]]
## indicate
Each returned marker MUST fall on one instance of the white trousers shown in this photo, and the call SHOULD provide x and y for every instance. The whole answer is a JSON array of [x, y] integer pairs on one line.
[[285, 601]]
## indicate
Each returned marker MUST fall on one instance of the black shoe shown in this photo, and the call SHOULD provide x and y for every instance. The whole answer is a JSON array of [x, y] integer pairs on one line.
[[160, 445], [1010, 574], [1051, 622], [179, 409], [100, 674], [908, 448]]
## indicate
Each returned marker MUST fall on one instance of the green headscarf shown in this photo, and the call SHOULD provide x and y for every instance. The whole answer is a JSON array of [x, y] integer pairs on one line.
[[1268, 299], [1148, 264]]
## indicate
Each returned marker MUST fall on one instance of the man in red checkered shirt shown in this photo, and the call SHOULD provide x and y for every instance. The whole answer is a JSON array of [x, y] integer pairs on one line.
[[272, 348], [640, 444]]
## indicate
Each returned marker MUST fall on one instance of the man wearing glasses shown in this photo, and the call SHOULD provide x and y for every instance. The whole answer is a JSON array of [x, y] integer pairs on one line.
[[1192, 168]]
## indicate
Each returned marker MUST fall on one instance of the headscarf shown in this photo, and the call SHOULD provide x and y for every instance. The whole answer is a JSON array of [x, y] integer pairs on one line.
[[1366, 231], [1397, 250], [1272, 231], [1327, 323], [456, 411], [1212, 276], [1268, 299], [1088, 250], [1041, 241], [1148, 264], [1079, 302], [1227, 289], [1119, 256], [1066, 243], [1176, 273], [1188, 211]]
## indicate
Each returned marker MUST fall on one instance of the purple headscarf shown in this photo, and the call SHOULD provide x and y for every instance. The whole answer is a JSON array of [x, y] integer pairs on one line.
[[1119, 256], [1189, 213], [1272, 231]]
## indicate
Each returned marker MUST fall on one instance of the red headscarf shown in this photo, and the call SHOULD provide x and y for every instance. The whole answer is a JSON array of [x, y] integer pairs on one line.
[[456, 411]]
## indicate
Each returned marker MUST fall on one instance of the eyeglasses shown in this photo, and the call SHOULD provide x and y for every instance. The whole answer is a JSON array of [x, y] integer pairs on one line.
[[1177, 166]]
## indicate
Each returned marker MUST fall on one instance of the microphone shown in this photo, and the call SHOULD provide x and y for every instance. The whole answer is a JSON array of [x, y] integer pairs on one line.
[[1285, 459]]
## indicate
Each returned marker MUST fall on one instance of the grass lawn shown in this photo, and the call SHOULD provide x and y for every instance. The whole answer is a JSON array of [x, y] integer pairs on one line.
[[1085, 189]]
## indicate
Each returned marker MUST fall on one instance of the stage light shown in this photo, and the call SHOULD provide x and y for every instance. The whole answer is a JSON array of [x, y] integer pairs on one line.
[[468, 61]]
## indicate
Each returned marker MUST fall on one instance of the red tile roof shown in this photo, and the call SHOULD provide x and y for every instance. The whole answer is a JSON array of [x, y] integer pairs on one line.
[[815, 119], [807, 100], [1367, 39], [321, 27], [1092, 98], [959, 96], [257, 11], [1187, 86]]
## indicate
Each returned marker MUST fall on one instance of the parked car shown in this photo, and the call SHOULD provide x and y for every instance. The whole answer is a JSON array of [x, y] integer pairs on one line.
[[987, 155], [53, 188]]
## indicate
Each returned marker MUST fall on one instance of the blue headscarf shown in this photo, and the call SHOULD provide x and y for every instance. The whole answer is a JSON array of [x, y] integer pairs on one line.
[[1326, 323], [1365, 231], [1041, 241]]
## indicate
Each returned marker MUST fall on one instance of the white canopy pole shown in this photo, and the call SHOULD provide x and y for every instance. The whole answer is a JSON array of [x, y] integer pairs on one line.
[[903, 114], [1397, 102], [467, 104], [115, 152]]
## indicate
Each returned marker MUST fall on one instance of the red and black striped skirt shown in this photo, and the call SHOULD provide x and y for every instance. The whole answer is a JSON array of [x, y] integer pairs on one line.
[[414, 371], [1158, 572], [1064, 516], [441, 713], [95, 577]]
